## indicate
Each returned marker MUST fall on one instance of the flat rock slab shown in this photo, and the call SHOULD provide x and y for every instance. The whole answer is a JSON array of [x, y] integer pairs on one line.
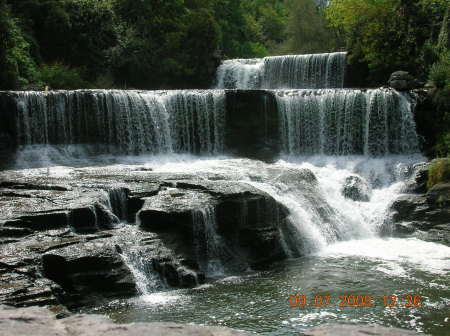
[[357, 330], [41, 322]]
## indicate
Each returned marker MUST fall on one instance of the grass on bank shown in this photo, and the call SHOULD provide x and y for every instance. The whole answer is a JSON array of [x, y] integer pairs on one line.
[[439, 172]]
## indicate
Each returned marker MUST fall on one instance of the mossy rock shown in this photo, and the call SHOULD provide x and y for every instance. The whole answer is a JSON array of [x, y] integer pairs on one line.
[[439, 172]]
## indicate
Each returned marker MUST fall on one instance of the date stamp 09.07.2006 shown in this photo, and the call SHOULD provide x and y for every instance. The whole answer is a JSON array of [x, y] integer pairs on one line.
[[407, 301]]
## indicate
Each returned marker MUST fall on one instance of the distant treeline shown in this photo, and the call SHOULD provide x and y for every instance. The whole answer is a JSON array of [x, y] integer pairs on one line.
[[131, 43], [178, 43], [158, 44]]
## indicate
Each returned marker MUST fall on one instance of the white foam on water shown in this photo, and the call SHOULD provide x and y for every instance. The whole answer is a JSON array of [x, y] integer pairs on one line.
[[397, 255], [163, 298], [314, 316]]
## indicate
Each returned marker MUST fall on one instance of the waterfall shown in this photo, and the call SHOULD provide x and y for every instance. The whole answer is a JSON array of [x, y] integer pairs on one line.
[[342, 122], [118, 202], [240, 74], [140, 265], [210, 247], [284, 72], [197, 120], [125, 122]]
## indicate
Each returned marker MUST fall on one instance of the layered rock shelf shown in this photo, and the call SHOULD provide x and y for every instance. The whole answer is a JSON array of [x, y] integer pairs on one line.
[[64, 238], [421, 212]]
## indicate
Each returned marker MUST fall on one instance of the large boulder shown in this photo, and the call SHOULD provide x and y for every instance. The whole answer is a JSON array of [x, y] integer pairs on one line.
[[357, 189], [243, 220], [427, 215], [418, 183], [87, 270], [403, 81]]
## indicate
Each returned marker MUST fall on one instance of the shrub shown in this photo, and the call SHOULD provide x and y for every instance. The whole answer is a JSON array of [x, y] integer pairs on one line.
[[440, 74], [442, 147], [439, 172], [60, 76], [105, 81]]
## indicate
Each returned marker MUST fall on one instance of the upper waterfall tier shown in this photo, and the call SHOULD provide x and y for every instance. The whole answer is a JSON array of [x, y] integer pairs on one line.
[[130, 122], [313, 71]]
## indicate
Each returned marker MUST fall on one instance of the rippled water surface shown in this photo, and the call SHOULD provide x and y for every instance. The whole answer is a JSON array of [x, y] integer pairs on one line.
[[362, 264], [259, 301]]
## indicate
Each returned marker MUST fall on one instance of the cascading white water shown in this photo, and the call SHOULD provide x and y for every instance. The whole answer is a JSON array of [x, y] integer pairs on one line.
[[147, 279], [210, 247], [321, 215], [127, 122], [284, 72], [311, 189], [320, 121], [342, 122], [240, 74], [197, 120]]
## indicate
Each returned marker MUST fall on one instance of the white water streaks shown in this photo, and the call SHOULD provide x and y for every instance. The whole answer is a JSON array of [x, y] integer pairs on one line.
[[312, 71], [343, 122], [124, 122], [395, 256], [209, 245]]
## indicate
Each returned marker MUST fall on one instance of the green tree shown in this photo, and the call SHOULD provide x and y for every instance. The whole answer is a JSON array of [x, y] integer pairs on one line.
[[308, 30], [387, 35], [166, 44], [18, 68]]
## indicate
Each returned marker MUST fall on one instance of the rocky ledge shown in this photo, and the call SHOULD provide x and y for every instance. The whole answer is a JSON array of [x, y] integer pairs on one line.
[[421, 212], [75, 237], [42, 322]]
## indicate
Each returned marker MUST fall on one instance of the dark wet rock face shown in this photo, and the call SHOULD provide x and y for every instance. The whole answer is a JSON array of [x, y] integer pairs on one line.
[[78, 237], [425, 214], [89, 269], [403, 81], [252, 124], [245, 218], [357, 189], [418, 183]]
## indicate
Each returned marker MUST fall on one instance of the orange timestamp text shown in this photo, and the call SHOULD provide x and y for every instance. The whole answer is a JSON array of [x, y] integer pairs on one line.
[[408, 301]]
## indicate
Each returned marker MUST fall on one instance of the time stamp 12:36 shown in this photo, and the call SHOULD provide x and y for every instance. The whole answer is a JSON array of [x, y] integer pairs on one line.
[[407, 301]]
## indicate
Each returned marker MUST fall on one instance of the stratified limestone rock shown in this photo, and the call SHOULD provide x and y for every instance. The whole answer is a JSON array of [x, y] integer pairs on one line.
[[247, 219], [41, 322], [357, 330], [89, 269], [24, 282], [70, 230], [41, 210]]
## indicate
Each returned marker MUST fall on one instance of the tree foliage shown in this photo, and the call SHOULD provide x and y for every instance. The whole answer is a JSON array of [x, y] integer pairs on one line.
[[308, 30], [389, 34], [17, 66], [133, 43]]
